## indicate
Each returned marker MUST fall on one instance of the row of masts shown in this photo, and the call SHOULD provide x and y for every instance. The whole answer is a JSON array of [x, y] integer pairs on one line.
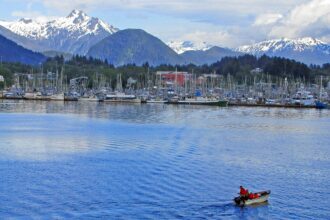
[[225, 86]]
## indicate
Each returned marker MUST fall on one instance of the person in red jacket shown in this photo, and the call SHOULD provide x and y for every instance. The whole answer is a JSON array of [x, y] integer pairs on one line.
[[243, 192]]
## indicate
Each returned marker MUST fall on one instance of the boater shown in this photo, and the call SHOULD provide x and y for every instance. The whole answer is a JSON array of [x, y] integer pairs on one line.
[[244, 193]]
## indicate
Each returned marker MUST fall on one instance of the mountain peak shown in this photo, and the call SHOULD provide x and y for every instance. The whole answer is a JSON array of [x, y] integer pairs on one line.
[[77, 13], [134, 46], [78, 16]]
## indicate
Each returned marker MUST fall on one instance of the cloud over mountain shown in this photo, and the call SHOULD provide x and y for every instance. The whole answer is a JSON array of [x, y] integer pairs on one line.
[[195, 24], [307, 19], [230, 23]]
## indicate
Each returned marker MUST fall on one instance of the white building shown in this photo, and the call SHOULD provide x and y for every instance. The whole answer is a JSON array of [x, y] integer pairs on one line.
[[256, 71]]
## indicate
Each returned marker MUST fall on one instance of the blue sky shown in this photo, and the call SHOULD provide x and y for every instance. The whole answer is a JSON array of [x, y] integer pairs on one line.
[[219, 22]]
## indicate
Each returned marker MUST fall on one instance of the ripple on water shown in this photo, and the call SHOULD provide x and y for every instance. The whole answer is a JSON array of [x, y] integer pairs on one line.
[[81, 161]]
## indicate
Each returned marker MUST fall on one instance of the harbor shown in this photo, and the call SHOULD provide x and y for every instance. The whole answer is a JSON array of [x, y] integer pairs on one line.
[[173, 87], [165, 110]]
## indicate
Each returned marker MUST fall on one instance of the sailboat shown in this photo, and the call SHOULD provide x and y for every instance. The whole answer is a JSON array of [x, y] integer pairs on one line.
[[14, 93], [59, 96], [119, 96]]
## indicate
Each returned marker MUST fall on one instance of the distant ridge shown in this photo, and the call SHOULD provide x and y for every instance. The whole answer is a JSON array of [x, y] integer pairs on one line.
[[212, 55], [11, 52]]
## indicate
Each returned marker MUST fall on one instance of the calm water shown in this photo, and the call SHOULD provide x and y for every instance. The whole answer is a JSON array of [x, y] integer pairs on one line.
[[94, 160]]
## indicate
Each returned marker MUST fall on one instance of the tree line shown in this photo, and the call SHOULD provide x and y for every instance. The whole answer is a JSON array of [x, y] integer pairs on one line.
[[237, 67]]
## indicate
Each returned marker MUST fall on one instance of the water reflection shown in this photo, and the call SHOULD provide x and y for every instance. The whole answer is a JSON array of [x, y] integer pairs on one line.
[[157, 113], [42, 148], [32, 137]]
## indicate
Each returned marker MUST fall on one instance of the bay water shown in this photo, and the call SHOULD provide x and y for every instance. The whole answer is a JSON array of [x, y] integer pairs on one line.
[[151, 161]]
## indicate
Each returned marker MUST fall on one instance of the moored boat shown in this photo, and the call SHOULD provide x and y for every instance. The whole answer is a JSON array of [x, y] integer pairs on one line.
[[89, 99], [160, 101], [72, 96], [14, 93], [203, 101], [321, 105], [303, 98], [57, 97], [263, 197], [122, 97]]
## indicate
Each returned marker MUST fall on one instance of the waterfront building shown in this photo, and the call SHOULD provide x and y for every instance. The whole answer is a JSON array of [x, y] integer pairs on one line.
[[173, 77]]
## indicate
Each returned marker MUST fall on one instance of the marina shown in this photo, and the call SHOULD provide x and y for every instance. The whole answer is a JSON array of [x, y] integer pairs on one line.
[[173, 87]]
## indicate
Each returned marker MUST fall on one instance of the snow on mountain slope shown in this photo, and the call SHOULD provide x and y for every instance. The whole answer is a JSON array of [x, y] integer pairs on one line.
[[308, 50], [300, 45], [75, 33], [183, 46]]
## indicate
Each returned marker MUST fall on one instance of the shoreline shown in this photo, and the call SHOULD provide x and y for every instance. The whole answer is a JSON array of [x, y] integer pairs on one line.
[[175, 103]]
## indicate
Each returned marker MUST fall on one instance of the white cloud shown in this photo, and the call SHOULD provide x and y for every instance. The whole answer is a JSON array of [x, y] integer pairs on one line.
[[35, 15], [179, 7], [213, 38], [267, 19], [230, 23], [309, 19]]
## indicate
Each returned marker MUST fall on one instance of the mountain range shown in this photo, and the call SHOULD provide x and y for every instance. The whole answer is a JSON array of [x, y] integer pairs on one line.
[[306, 50], [81, 34]]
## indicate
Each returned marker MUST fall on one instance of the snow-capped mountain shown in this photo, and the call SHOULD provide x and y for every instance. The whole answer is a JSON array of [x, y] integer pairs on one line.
[[183, 46], [75, 33], [308, 50]]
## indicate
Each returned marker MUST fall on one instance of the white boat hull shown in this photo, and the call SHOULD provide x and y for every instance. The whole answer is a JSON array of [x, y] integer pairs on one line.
[[58, 97], [89, 99], [123, 100], [263, 198], [256, 201], [157, 101]]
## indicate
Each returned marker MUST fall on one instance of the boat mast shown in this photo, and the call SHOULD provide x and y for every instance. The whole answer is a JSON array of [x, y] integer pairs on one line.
[[176, 78], [321, 88], [61, 80]]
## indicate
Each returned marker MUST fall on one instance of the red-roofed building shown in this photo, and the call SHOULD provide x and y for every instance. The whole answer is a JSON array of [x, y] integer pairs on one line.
[[173, 77]]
